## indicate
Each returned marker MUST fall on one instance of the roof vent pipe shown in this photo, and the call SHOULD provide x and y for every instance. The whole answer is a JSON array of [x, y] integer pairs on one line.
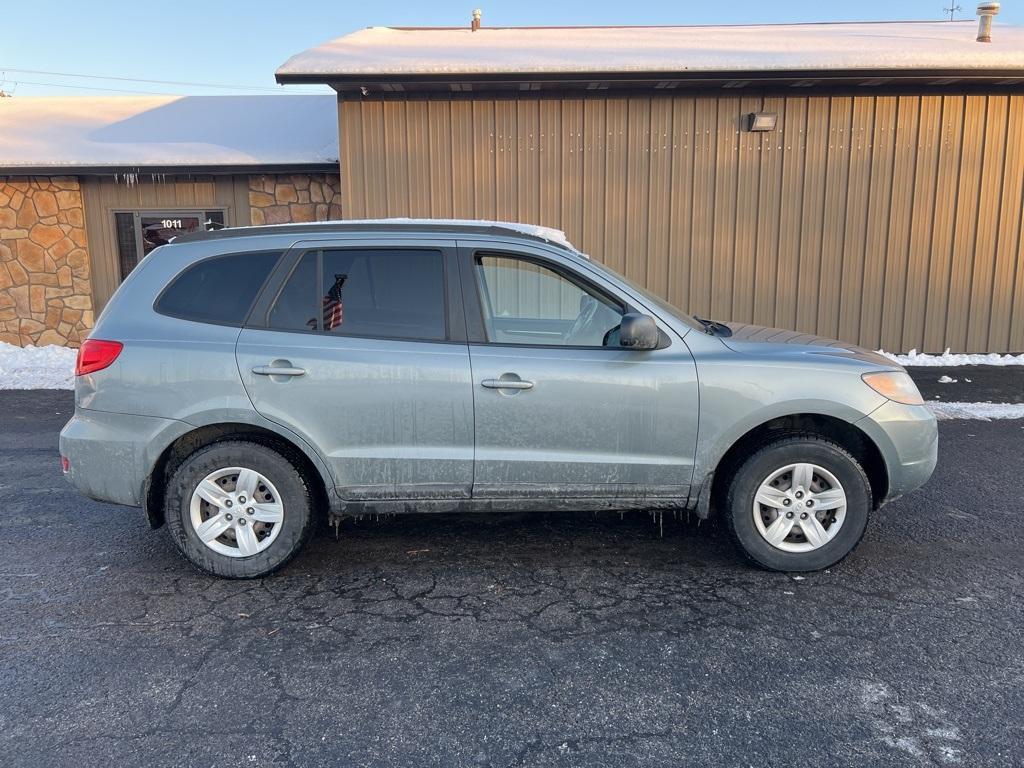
[[474, 25], [985, 13]]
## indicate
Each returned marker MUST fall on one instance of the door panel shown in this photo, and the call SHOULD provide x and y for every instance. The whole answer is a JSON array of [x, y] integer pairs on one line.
[[557, 413], [595, 422], [393, 419]]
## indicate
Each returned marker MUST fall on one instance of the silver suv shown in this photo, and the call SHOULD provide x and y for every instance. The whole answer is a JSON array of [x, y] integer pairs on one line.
[[245, 383]]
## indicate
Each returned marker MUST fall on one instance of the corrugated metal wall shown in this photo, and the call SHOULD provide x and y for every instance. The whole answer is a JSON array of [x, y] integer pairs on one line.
[[890, 220]]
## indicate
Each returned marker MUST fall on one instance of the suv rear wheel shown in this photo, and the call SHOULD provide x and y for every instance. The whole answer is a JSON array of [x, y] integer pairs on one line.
[[238, 509], [798, 504]]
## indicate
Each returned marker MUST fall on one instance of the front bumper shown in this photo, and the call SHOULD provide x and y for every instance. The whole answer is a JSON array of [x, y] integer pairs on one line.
[[908, 437], [110, 455]]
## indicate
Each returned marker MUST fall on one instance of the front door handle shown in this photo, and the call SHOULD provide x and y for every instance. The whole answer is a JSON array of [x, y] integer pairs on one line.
[[507, 384], [274, 370]]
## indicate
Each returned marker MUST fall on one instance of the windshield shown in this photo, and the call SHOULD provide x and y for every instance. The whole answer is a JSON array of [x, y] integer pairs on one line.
[[654, 299]]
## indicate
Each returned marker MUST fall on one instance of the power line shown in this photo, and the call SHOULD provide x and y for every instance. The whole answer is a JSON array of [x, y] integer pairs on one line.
[[141, 80], [86, 87]]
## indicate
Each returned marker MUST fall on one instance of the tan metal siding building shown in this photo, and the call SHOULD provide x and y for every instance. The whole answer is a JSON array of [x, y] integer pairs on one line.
[[893, 221], [884, 208]]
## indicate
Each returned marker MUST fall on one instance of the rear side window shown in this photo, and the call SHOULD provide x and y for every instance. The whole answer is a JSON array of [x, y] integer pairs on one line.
[[218, 290], [382, 293]]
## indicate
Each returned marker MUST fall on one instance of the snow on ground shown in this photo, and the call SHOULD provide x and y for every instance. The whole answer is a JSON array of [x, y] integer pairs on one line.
[[982, 411], [914, 358], [49, 367], [53, 367]]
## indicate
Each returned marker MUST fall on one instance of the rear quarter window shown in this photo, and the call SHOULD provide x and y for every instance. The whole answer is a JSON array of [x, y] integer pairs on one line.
[[219, 290]]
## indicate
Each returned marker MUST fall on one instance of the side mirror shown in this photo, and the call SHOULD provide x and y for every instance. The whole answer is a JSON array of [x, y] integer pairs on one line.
[[638, 332]]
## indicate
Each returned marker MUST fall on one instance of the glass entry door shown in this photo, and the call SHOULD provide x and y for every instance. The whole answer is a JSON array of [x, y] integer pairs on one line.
[[139, 232]]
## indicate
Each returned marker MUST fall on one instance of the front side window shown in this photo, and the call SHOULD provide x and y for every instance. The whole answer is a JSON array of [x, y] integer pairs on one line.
[[528, 303], [218, 290], [383, 293]]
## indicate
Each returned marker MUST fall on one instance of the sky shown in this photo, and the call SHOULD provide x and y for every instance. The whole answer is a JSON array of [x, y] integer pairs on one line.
[[235, 46]]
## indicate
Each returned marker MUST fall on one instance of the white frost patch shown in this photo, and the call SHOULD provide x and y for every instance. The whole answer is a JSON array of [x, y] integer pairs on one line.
[[914, 358], [49, 367], [982, 411], [947, 380]]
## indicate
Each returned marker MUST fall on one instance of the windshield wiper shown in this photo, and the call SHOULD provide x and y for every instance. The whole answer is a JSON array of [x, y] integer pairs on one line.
[[714, 328]]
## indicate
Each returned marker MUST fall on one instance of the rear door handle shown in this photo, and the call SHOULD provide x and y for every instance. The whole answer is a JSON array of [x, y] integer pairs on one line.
[[507, 384], [273, 370]]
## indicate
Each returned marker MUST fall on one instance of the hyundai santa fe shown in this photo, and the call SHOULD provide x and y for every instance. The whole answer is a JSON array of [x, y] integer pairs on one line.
[[243, 384]]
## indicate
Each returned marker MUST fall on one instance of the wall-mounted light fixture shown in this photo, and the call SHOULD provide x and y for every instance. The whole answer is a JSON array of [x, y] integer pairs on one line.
[[761, 121]]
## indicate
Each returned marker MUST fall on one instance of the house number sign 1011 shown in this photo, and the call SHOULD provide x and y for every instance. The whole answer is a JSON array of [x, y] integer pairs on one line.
[[171, 223]]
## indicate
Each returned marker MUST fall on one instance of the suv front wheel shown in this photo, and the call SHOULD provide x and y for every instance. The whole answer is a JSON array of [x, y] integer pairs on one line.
[[798, 504], [238, 509]]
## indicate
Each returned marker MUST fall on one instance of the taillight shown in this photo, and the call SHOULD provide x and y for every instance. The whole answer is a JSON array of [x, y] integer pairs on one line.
[[95, 355]]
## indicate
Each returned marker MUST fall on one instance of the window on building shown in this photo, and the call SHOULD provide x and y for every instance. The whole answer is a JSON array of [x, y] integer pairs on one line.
[[218, 290], [139, 232]]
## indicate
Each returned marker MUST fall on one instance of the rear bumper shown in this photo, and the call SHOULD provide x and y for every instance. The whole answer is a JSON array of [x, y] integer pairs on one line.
[[908, 437], [110, 455]]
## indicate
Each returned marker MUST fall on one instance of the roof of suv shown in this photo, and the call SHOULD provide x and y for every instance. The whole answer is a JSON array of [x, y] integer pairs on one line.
[[452, 226]]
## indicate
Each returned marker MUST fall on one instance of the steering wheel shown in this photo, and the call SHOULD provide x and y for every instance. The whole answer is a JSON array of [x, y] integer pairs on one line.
[[588, 310]]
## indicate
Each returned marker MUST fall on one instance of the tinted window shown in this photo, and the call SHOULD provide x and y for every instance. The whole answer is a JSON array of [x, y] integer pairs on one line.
[[396, 293], [294, 309], [218, 290], [528, 303], [389, 292]]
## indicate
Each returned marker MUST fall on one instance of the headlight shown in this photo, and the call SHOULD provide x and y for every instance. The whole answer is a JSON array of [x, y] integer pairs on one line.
[[895, 385]]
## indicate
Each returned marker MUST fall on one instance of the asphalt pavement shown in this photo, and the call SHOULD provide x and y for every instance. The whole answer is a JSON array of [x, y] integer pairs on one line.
[[970, 383], [513, 640]]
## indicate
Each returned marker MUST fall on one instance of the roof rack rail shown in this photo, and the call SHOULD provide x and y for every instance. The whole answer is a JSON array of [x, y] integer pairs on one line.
[[463, 226]]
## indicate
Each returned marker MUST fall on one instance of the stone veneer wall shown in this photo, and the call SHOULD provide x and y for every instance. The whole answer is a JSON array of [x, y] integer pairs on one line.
[[45, 288], [283, 198], [45, 283]]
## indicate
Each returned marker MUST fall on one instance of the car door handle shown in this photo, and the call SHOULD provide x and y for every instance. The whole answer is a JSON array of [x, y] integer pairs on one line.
[[274, 370], [507, 384]]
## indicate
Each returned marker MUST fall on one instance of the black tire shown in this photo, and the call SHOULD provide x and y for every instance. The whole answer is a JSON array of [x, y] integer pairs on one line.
[[773, 456], [297, 524]]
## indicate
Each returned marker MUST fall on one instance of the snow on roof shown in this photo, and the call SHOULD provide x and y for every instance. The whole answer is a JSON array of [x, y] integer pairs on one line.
[[167, 131], [917, 45]]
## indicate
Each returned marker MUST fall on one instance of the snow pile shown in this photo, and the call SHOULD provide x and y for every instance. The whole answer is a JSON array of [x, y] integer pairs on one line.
[[49, 367], [981, 411], [914, 358]]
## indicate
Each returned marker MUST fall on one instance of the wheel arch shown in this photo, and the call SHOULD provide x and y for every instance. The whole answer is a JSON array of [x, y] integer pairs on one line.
[[847, 435], [185, 445]]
